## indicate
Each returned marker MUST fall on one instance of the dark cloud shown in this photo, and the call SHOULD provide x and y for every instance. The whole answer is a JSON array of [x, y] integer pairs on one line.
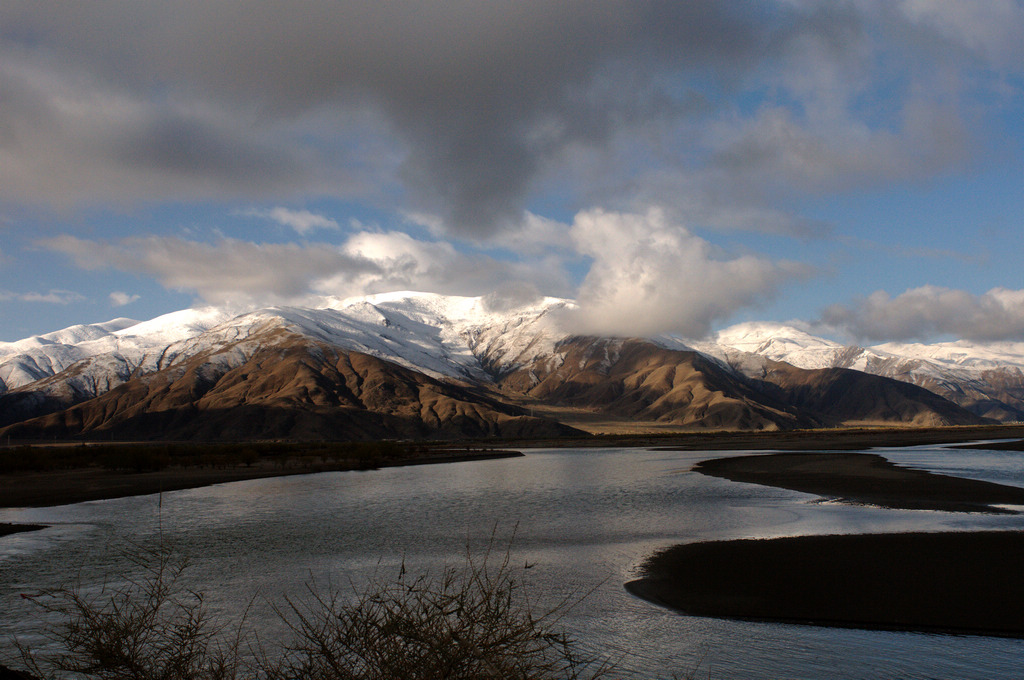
[[69, 140], [991, 30], [178, 145], [475, 104], [481, 95]]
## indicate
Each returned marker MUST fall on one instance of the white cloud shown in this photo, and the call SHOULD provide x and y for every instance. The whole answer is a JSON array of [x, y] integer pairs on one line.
[[405, 263], [302, 221], [651, 276], [246, 274], [434, 223], [230, 271], [535, 234], [929, 311], [512, 296], [120, 299], [53, 297]]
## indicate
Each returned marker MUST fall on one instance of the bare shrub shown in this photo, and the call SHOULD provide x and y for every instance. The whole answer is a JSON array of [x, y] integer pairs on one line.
[[473, 621], [150, 628]]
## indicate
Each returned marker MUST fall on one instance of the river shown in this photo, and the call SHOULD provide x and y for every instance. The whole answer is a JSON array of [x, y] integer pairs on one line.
[[584, 519]]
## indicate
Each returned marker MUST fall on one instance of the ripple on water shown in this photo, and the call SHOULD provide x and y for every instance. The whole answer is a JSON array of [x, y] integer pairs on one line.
[[584, 518]]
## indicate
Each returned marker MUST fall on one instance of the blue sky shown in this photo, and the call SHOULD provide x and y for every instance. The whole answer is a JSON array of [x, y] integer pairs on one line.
[[856, 168]]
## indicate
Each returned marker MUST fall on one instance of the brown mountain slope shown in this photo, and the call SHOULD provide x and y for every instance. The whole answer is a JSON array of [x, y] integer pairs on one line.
[[635, 380], [998, 394], [842, 396], [995, 393], [279, 384], [289, 387]]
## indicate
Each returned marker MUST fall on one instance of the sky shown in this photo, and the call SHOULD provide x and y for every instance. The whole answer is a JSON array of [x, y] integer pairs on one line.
[[854, 168]]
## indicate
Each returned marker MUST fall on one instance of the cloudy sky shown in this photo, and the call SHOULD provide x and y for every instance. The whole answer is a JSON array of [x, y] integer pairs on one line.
[[857, 167]]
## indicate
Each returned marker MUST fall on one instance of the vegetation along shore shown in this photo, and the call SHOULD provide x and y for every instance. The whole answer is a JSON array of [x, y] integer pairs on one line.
[[39, 476], [56, 473]]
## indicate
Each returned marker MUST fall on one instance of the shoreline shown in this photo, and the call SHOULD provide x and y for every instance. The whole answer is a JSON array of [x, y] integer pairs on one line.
[[6, 528], [64, 487], [943, 582], [865, 478], [46, 489], [949, 582], [832, 439]]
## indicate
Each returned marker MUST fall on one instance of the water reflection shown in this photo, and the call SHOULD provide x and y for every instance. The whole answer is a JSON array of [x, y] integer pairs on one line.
[[584, 518]]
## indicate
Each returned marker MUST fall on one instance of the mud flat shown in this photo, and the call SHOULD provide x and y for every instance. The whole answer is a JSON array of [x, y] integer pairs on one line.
[[957, 582], [967, 583], [865, 478]]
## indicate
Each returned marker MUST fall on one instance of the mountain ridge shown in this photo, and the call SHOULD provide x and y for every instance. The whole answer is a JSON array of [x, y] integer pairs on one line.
[[502, 357]]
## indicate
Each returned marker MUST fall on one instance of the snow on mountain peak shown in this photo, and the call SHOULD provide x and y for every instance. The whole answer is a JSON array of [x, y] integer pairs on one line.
[[960, 353], [758, 336], [175, 326], [128, 343], [72, 335], [435, 308], [447, 336], [443, 335], [780, 342]]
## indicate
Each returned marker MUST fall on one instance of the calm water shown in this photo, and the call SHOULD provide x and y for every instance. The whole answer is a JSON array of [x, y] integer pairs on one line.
[[585, 518]]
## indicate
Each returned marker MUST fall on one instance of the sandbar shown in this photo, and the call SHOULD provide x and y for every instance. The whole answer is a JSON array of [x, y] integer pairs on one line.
[[965, 583], [865, 478], [955, 582]]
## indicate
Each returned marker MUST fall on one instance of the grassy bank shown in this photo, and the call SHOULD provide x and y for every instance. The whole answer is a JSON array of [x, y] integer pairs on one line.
[[146, 457], [6, 528]]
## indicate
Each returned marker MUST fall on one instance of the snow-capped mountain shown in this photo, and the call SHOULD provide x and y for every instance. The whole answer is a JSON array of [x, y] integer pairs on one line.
[[435, 334], [210, 357], [456, 338], [785, 343], [985, 378], [134, 345]]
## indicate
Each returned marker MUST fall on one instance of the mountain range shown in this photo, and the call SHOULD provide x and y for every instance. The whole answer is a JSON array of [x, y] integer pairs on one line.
[[418, 365]]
